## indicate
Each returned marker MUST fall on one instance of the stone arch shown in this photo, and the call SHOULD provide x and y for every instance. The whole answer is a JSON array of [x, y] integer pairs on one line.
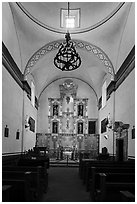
[[72, 79], [99, 53]]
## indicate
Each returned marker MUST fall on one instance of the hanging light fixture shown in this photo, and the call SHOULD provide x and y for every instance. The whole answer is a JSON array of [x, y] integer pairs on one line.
[[67, 59]]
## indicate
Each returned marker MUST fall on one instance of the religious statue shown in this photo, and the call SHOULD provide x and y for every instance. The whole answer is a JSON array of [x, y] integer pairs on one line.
[[80, 128], [55, 127], [55, 109], [80, 110]]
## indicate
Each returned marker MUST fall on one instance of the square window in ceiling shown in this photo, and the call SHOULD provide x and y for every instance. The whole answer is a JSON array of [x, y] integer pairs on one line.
[[71, 21]]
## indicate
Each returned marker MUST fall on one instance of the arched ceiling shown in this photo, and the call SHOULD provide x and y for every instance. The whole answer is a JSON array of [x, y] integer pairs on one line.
[[102, 26], [42, 13]]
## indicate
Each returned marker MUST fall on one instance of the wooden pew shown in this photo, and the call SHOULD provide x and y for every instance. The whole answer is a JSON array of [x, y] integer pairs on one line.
[[94, 181], [20, 182], [6, 189], [127, 196], [40, 180], [82, 163], [112, 183], [36, 158], [35, 163], [88, 165], [90, 179]]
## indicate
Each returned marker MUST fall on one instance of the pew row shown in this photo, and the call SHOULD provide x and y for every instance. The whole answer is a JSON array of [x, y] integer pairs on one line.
[[41, 174], [87, 164], [127, 196], [20, 186], [104, 169], [108, 186]]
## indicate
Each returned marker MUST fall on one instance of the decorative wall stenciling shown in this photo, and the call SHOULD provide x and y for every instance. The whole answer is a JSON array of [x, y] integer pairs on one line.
[[99, 53]]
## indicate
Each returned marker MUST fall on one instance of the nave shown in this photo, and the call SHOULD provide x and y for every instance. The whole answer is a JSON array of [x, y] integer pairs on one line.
[[36, 178], [65, 186], [68, 101]]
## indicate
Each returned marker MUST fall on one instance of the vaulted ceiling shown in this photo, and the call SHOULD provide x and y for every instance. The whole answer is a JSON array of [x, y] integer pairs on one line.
[[103, 40]]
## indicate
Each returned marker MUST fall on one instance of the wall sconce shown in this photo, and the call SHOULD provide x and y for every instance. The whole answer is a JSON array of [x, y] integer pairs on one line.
[[27, 122], [106, 137], [27, 125], [109, 122]]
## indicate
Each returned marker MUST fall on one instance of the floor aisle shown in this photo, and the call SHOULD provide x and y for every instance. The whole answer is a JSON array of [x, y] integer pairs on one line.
[[65, 186]]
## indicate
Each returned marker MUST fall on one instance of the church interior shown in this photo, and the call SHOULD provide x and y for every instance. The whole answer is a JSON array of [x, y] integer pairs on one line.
[[68, 101]]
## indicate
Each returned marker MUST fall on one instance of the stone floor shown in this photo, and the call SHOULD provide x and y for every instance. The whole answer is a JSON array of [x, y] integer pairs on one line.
[[65, 186]]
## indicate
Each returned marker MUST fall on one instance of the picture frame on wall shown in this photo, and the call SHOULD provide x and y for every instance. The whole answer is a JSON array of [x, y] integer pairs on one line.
[[32, 124], [103, 125]]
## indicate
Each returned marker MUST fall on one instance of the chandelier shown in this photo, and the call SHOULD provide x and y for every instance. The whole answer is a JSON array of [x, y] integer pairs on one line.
[[67, 59]]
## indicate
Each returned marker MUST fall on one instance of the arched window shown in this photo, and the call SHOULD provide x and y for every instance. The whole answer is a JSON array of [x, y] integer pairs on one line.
[[104, 94], [32, 94]]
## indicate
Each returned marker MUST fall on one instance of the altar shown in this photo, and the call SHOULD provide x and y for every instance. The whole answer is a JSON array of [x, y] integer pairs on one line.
[[68, 123], [67, 154]]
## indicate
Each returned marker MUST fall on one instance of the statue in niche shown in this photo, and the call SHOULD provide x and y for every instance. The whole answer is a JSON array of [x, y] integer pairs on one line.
[[68, 99], [55, 109], [80, 110], [55, 127], [80, 128], [67, 124]]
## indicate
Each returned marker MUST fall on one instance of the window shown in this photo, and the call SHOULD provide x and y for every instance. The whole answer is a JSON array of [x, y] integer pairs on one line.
[[32, 93], [104, 94], [74, 18], [70, 22]]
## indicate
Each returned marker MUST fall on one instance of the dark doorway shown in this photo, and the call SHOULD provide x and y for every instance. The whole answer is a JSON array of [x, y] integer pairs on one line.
[[91, 127]]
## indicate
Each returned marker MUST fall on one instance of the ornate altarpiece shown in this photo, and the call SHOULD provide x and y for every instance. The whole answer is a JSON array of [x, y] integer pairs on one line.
[[68, 120]]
